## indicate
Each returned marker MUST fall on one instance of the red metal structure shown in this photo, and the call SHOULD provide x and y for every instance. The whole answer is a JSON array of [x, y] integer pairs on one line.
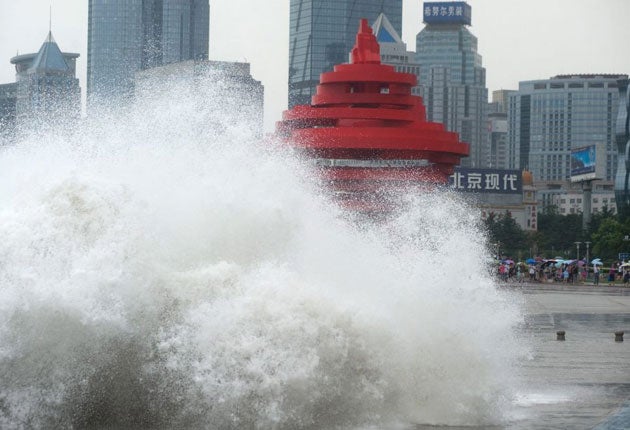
[[368, 133]]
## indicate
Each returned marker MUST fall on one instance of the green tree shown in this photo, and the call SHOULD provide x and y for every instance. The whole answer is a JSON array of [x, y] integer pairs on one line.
[[559, 232], [503, 230], [611, 238], [598, 217]]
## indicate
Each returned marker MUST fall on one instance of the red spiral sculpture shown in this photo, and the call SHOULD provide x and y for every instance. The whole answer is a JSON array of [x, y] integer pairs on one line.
[[368, 133]]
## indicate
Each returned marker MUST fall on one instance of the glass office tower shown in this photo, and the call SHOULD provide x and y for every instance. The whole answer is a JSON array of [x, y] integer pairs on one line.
[[8, 102], [452, 77], [547, 118], [322, 34], [125, 36]]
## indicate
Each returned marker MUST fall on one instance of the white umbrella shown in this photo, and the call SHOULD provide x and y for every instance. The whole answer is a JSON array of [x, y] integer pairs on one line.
[[597, 262]]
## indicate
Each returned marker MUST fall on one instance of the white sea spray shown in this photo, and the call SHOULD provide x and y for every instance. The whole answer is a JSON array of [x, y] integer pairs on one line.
[[161, 267]]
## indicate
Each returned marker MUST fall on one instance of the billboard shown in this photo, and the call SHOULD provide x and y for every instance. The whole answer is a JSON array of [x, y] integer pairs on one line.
[[497, 181], [587, 162], [458, 12]]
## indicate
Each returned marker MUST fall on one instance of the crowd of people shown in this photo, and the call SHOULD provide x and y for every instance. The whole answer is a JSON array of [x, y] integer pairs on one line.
[[565, 271]]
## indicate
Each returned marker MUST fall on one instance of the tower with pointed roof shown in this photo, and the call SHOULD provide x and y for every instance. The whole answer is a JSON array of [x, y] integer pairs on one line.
[[394, 50], [48, 92]]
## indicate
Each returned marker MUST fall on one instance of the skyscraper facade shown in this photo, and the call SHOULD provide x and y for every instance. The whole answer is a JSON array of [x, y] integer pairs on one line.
[[622, 132], [452, 77], [497, 130], [394, 50], [8, 103], [48, 92], [322, 33], [125, 36], [547, 118], [234, 95]]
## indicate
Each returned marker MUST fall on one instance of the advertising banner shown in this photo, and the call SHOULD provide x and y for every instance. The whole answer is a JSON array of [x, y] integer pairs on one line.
[[587, 162], [447, 13], [497, 181]]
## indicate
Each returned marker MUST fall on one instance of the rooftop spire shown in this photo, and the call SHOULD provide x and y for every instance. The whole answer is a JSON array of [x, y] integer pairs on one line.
[[385, 31], [49, 58], [366, 49]]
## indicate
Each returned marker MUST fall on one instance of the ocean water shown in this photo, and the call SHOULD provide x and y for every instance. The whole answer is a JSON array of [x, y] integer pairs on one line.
[[162, 267]]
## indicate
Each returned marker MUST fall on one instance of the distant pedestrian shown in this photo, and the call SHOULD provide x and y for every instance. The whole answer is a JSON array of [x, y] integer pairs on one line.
[[596, 274], [503, 272], [611, 274], [576, 273]]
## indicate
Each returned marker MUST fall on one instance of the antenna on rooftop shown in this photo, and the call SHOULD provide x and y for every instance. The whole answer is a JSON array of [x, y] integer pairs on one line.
[[50, 18]]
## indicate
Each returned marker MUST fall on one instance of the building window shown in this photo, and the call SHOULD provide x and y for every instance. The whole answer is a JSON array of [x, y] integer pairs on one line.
[[595, 200]]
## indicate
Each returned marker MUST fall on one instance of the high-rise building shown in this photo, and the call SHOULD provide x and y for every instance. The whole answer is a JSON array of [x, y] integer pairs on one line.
[[125, 36], [322, 33], [232, 94], [394, 50], [8, 102], [499, 103], [622, 132], [548, 118], [497, 127], [48, 91], [452, 78], [497, 141]]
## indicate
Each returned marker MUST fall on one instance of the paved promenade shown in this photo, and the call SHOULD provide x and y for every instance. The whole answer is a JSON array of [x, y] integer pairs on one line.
[[584, 381]]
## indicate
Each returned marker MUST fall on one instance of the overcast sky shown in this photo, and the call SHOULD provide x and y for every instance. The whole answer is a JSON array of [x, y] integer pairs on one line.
[[518, 39]]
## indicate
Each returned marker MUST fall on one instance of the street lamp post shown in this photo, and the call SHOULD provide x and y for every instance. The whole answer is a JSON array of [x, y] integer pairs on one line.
[[578, 249], [588, 244]]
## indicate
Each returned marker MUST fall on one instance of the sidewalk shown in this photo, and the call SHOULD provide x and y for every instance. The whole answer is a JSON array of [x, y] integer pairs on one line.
[[584, 381]]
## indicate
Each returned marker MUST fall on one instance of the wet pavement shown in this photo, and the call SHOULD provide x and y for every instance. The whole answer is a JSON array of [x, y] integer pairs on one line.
[[584, 381]]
